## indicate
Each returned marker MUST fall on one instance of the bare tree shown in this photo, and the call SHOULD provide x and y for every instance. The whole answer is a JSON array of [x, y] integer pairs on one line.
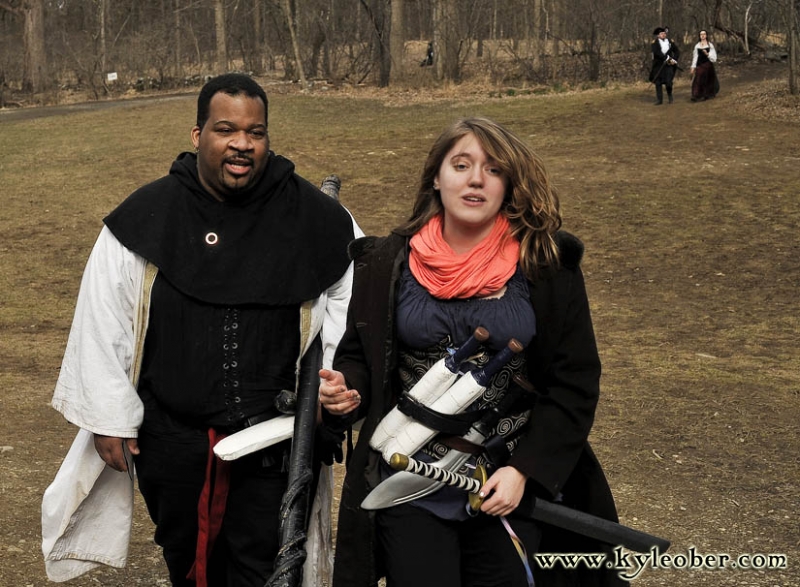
[[378, 16], [34, 76], [221, 36], [397, 38], [793, 7], [291, 22], [178, 44], [446, 40], [257, 36], [101, 25]]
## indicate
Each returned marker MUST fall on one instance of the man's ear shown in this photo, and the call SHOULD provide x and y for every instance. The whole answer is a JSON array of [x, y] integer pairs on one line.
[[196, 136]]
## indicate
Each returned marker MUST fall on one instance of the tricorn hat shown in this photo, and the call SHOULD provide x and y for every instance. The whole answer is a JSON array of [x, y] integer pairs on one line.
[[659, 30]]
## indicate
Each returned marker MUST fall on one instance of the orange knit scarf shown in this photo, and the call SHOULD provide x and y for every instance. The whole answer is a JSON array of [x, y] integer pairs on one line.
[[482, 271]]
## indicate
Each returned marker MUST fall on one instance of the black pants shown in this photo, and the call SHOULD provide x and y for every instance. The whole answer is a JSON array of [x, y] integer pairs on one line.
[[171, 472], [421, 550], [665, 78]]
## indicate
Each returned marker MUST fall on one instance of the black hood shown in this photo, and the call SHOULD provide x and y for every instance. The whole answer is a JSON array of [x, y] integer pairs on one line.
[[280, 242]]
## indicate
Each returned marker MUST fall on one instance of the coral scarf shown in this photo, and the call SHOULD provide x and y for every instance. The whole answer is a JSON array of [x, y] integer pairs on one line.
[[480, 272]]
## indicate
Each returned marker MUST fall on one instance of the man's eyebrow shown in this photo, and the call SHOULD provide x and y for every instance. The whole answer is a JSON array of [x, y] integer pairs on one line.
[[229, 123]]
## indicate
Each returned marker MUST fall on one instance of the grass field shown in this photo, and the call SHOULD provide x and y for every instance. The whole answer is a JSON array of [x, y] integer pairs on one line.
[[689, 214]]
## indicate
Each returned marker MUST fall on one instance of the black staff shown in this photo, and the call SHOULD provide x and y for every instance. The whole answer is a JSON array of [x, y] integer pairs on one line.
[[293, 515]]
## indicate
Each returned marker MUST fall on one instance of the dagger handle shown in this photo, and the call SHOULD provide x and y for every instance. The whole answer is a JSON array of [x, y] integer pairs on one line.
[[466, 350], [484, 375], [400, 462]]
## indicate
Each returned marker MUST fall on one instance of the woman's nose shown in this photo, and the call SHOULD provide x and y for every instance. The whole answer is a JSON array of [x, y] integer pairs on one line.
[[476, 178]]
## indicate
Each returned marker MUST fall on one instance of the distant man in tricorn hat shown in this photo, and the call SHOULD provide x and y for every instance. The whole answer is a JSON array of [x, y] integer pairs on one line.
[[665, 62]]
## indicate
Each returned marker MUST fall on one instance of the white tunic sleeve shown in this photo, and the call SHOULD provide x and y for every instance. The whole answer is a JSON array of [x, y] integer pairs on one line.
[[329, 311], [94, 390]]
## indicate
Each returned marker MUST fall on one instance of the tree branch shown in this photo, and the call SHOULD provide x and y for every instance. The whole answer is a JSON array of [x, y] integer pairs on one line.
[[12, 9]]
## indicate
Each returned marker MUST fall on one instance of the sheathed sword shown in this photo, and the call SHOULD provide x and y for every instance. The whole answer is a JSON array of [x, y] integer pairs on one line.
[[606, 531]]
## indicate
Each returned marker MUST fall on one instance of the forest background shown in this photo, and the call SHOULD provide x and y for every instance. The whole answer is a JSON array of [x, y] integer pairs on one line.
[[51, 49]]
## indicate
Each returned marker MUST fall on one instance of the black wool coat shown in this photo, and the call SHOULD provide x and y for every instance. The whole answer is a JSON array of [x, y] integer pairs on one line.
[[660, 72], [562, 362]]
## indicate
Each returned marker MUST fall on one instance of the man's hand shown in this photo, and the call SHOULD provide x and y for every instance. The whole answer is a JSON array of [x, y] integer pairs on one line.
[[504, 488], [334, 395], [110, 450]]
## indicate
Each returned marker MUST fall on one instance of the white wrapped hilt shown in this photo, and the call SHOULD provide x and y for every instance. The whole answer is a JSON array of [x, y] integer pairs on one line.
[[432, 385], [413, 436], [255, 438]]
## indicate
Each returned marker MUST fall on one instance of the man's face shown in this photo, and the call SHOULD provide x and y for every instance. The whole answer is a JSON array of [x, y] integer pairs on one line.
[[662, 35], [233, 146]]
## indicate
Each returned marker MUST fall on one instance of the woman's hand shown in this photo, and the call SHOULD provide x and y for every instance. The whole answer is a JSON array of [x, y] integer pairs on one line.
[[334, 395], [504, 488]]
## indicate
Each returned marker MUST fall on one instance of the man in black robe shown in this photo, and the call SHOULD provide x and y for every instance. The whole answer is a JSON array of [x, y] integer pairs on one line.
[[665, 62], [247, 255]]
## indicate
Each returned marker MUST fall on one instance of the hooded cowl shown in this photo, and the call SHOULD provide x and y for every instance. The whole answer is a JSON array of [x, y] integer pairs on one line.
[[281, 242]]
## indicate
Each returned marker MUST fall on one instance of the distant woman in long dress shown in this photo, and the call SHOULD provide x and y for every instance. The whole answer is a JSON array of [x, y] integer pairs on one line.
[[705, 84]]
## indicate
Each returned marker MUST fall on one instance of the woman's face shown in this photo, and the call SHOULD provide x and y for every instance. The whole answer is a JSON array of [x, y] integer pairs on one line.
[[703, 35], [472, 189]]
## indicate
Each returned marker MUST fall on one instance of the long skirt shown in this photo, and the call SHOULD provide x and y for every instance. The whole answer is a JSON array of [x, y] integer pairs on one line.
[[705, 84]]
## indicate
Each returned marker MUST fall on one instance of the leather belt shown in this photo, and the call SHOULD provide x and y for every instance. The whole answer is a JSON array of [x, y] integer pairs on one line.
[[460, 444], [247, 422]]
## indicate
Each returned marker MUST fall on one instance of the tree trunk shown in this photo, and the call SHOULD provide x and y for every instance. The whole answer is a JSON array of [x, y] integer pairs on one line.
[[381, 55], [102, 25], [219, 27], [794, 48], [34, 77], [290, 21], [746, 27], [445, 45], [257, 41], [397, 39], [594, 54], [178, 55]]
